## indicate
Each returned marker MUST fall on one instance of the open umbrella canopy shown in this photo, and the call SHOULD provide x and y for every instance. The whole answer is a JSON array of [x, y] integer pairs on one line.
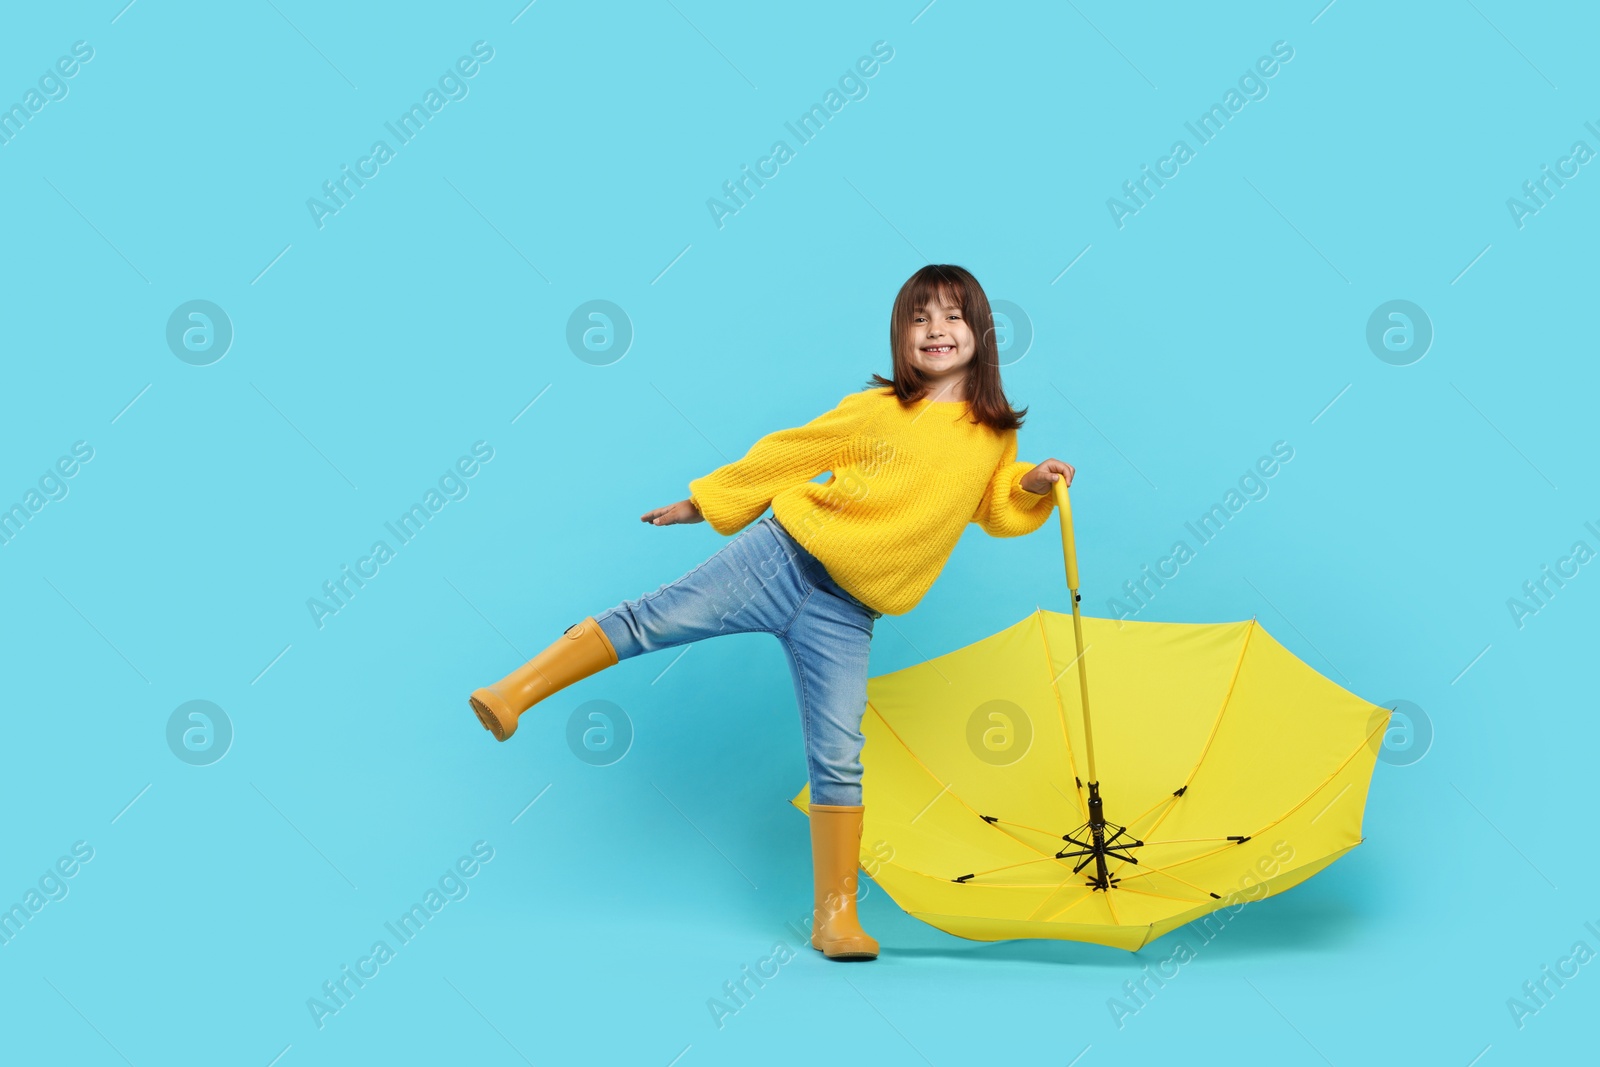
[[1218, 768]]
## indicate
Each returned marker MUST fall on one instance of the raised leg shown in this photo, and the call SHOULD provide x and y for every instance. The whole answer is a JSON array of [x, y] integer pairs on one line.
[[751, 584]]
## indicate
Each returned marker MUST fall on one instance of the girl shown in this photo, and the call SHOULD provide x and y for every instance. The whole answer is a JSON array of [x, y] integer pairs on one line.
[[913, 460]]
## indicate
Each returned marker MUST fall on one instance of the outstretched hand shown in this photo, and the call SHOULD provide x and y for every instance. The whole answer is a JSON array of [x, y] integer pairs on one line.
[[1039, 479], [682, 511]]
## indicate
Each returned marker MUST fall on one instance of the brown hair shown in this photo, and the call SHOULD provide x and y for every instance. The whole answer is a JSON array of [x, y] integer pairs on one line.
[[986, 399]]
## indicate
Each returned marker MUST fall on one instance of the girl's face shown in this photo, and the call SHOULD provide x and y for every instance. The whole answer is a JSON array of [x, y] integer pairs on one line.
[[941, 342]]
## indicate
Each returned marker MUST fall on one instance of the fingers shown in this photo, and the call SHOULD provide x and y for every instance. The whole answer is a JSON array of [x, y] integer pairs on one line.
[[672, 514], [1056, 470]]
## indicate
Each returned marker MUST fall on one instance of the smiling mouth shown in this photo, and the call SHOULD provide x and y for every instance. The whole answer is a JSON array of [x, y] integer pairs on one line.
[[939, 350]]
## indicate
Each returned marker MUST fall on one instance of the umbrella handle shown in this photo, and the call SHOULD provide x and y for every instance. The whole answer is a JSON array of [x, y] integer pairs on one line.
[[1068, 546]]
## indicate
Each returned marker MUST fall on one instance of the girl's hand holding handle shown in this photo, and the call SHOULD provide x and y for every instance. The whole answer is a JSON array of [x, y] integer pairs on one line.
[[682, 511], [1040, 478]]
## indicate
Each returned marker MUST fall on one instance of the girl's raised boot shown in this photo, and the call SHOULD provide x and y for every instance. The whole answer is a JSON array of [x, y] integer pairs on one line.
[[582, 650], [835, 857]]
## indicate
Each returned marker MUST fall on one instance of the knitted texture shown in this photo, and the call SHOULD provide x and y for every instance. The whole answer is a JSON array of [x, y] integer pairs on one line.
[[905, 482]]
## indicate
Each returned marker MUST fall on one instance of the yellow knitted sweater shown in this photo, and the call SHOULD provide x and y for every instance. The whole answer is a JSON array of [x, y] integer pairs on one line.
[[905, 482]]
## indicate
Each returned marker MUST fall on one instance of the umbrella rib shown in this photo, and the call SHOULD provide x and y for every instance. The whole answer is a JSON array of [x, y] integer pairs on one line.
[[1161, 896], [1023, 863], [1169, 874], [1053, 836], [1056, 836], [1062, 885], [1061, 709], [1022, 885], [946, 785], [1020, 839], [1054, 915], [1325, 783], [1144, 869], [1164, 800], [1050, 885], [1009, 866], [1048, 833], [1112, 908], [1000, 885], [1087, 896], [1217, 724]]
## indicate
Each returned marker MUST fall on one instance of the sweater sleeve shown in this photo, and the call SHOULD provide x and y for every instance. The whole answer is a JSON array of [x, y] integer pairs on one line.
[[1007, 509], [733, 495]]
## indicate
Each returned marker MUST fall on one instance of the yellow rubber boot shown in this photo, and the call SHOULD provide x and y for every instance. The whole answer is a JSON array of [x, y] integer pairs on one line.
[[835, 860], [583, 650]]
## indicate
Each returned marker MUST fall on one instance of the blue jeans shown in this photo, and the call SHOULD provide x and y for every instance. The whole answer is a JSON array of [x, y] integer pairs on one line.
[[762, 580]]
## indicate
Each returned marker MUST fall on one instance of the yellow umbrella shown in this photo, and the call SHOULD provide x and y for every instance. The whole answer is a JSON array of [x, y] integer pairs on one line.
[[1228, 770]]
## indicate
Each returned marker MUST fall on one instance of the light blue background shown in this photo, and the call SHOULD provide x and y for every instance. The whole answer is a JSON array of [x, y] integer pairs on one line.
[[370, 354]]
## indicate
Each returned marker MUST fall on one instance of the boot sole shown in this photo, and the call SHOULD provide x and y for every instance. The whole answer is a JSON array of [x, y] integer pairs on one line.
[[846, 956], [487, 717]]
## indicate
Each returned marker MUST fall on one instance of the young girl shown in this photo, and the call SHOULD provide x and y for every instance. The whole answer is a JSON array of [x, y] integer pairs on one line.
[[913, 460]]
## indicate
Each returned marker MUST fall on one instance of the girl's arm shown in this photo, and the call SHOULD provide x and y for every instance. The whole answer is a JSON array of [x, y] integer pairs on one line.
[[733, 495], [1018, 499]]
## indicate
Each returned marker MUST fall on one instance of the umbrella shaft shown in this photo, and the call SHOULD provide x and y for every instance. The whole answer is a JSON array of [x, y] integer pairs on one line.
[[1097, 831], [1083, 685]]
